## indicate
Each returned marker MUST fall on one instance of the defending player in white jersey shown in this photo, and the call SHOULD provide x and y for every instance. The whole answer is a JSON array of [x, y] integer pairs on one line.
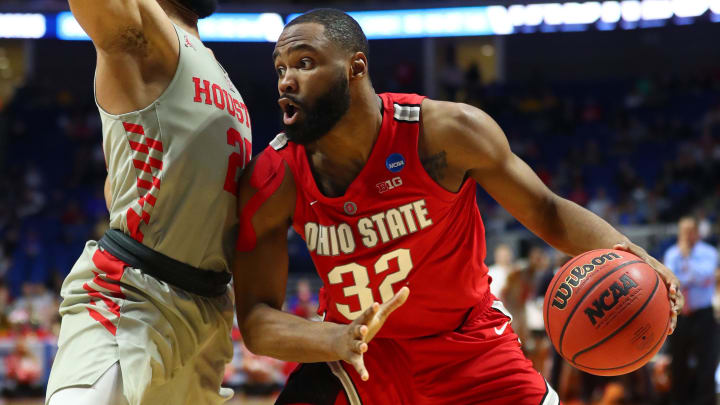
[[147, 310]]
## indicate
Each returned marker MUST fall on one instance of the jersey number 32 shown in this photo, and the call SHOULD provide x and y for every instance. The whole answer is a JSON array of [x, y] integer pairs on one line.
[[361, 280]]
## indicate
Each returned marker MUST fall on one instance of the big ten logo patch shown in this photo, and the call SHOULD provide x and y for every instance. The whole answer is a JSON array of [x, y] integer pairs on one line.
[[388, 185]]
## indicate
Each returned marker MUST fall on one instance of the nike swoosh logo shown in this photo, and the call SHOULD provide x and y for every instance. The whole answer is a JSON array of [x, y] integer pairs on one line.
[[501, 330], [313, 203]]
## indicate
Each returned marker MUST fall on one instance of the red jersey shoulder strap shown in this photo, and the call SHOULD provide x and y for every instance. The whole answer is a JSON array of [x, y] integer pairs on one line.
[[403, 107], [401, 124], [266, 177]]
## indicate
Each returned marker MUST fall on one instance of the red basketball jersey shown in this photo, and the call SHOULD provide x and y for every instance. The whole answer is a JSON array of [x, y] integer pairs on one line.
[[394, 226]]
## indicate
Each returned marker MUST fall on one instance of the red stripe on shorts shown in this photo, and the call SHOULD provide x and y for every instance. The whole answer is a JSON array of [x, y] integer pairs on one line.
[[104, 321], [112, 269], [112, 306]]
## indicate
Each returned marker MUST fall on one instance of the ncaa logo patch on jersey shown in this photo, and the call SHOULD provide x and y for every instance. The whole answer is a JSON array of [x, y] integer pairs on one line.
[[395, 162]]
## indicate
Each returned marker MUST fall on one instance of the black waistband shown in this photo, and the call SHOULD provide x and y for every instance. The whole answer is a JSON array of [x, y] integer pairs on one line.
[[206, 283]]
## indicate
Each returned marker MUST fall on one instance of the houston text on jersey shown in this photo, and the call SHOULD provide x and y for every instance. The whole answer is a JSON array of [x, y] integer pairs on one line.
[[214, 94]]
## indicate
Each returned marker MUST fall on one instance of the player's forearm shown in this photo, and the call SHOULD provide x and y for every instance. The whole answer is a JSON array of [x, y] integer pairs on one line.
[[270, 332], [574, 229]]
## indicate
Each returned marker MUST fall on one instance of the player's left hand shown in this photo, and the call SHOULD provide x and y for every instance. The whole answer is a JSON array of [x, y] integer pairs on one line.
[[354, 338], [677, 300]]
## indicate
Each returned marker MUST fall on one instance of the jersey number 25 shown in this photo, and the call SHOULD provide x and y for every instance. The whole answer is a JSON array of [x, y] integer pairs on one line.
[[237, 160]]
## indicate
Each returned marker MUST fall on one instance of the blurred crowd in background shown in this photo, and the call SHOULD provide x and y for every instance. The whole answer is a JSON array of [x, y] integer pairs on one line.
[[636, 152]]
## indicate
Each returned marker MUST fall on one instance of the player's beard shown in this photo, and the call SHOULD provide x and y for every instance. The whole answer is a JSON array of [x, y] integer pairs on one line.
[[320, 117]]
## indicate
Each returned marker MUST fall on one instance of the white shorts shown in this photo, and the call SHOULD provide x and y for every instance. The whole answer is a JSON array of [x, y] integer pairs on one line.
[[172, 346], [107, 390]]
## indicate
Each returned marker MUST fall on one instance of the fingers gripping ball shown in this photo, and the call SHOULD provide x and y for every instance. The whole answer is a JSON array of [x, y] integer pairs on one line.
[[607, 312]]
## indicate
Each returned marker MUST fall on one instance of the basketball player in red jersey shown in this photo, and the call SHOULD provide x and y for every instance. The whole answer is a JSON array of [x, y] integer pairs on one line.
[[382, 189]]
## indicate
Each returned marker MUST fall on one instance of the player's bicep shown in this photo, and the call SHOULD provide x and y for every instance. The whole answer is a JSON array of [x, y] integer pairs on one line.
[[505, 176], [515, 186]]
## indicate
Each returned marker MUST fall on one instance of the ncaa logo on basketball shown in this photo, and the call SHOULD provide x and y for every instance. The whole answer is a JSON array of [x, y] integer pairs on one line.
[[577, 275], [610, 298], [395, 162]]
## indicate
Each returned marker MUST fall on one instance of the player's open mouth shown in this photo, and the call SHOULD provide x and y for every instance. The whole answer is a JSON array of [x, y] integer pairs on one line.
[[290, 111]]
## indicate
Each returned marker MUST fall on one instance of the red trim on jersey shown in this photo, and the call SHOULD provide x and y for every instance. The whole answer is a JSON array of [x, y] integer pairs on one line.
[[266, 178], [147, 190], [133, 222], [148, 185], [158, 164], [141, 165], [144, 184], [134, 128], [145, 147], [140, 147], [149, 198], [154, 143]]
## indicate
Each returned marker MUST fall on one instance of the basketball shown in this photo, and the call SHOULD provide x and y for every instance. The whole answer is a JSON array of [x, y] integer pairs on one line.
[[607, 312]]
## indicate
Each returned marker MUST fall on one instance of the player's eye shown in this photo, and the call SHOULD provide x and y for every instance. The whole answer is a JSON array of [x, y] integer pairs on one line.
[[306, 63], [280, 71]]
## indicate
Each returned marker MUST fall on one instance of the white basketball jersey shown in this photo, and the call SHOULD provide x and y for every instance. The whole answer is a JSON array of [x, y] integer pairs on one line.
[[174, 165]]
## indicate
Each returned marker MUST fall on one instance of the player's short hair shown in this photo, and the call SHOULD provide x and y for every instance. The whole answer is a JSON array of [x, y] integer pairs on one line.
[[340, 28]]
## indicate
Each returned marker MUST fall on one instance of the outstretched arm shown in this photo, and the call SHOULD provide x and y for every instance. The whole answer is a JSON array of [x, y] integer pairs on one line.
[[122, 26], [260, 275], [137, 50], [479, 146]]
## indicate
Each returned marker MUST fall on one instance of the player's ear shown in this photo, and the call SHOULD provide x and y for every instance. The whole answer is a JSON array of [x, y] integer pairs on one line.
[[358, 66]]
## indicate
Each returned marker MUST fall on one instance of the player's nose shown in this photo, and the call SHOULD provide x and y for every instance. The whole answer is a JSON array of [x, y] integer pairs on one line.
[[287, 83]]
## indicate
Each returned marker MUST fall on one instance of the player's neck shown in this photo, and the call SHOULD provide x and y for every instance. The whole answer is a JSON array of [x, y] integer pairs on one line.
[[352, 139]]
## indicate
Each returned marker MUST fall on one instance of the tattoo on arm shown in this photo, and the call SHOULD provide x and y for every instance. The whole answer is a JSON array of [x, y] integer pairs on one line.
[[435, 165]]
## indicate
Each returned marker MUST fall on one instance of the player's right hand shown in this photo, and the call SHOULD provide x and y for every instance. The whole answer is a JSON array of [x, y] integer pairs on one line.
[[355, 337]]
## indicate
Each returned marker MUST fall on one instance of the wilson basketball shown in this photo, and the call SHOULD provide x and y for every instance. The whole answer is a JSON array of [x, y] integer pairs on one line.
[[607, 312]]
